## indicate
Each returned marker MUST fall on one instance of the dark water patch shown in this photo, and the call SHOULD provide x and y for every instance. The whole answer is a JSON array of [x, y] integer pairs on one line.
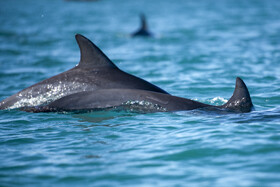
[[18, 141], [11, 52]]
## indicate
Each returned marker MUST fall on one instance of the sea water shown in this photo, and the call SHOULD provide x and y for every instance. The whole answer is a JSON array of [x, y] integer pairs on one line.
[[199, 48]]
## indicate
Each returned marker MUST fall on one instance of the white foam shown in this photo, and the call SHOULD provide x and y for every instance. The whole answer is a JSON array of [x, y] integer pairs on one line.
[[218, 100]]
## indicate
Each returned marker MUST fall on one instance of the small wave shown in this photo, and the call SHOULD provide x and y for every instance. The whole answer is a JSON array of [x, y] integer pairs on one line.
[[218, 101]]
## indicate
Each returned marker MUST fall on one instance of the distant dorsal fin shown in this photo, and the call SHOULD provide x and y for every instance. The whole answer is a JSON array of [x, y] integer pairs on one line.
[[240, 100], [144, 25], [91, 55]]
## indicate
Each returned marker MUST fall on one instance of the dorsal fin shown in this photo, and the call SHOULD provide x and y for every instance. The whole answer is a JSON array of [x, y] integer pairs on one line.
[[144, 25], [143, 30], [240, 100], [91, 55]]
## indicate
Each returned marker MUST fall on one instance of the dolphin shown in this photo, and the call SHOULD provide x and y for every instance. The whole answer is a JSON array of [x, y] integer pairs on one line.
[[143, 30], [143, 101], [94, 71]]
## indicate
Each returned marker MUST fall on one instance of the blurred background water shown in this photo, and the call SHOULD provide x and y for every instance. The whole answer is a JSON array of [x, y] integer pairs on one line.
[[198, 49]]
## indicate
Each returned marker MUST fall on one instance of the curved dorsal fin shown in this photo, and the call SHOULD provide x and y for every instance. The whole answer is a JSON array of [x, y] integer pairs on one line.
[[91, 55], [240, 100]]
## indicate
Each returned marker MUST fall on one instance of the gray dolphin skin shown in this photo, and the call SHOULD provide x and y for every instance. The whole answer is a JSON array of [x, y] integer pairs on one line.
[[142, 100], [94, 71], [143, 30]]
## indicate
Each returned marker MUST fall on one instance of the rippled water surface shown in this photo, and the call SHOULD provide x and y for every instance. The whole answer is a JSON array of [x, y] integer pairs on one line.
[[198, 49]]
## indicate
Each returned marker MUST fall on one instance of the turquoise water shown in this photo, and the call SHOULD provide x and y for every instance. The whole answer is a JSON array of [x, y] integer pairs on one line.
[[198, 50]]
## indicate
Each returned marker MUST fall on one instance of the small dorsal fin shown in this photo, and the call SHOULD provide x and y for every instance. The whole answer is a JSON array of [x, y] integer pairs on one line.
[[240, 100], [91, 55], [143, 30], [144, 25]]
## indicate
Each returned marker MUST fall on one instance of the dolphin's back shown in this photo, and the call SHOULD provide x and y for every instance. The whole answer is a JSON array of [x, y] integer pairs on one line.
[[94, 71], [142, 100], [112, 98]]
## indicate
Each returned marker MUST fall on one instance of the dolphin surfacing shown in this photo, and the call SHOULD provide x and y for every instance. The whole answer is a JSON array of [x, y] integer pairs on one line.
[[142, 100], [94, 71], [143, 30]]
